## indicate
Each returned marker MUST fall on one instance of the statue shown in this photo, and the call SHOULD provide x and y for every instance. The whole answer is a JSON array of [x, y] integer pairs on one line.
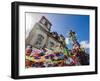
[[72, 36]]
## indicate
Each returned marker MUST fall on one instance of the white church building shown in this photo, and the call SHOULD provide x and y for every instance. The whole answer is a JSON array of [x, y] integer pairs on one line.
[[41, 36]]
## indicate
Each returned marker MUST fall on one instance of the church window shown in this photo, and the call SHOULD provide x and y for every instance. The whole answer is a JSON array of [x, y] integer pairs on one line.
[[48, 26], [43, 21], [39, 41], [51, 44]]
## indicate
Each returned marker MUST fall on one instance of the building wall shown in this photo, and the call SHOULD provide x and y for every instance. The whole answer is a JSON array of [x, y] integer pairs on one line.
[[39, 37]]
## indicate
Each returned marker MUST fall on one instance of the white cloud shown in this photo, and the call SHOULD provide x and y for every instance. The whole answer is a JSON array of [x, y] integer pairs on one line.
[[67, 40], [84, 44]]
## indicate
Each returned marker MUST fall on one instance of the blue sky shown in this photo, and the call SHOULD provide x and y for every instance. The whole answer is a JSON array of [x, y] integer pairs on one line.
[[63, 23]]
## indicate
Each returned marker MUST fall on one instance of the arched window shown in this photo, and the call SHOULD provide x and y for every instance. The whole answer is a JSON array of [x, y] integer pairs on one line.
[[39, 41], [50, 44], [43, 21]]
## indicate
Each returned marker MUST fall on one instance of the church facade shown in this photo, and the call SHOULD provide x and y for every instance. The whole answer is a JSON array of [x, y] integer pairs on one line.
[[41, 36]]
